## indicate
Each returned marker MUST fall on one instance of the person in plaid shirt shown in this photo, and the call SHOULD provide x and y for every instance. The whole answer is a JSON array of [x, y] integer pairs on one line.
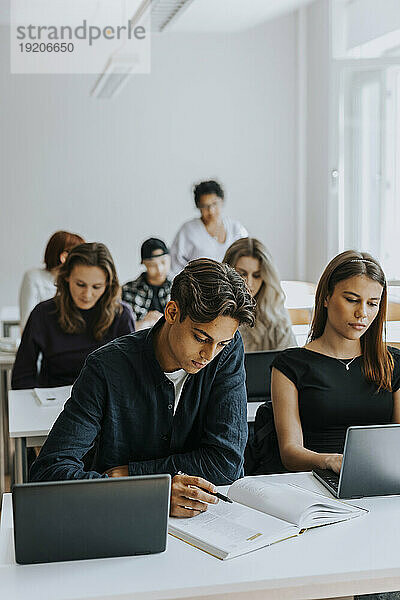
[[150, 292]]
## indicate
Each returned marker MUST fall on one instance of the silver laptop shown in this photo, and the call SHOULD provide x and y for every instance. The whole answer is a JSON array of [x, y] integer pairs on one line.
[[90, 518], [371, 465]]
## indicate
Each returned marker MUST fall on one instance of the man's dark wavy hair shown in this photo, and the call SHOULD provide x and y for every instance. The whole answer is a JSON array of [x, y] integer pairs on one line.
[[207, 289]]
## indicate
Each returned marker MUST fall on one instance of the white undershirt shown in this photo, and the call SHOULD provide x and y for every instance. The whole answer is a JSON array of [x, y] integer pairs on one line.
[[178, 378]]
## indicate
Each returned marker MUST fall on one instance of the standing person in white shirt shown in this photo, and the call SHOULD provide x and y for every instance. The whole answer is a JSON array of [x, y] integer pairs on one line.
[[39, 284], [208, 236]]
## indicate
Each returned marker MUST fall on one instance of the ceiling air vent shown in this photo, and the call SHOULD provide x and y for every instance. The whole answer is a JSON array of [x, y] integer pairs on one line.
[[164, 12], [119, 68]]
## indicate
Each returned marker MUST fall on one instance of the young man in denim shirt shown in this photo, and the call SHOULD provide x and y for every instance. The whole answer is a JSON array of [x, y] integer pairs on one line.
[[171, 399]]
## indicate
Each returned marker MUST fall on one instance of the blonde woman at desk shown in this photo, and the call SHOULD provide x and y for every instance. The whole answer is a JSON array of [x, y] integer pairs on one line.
[[273, 328], [85, 314], [39, 284], [345, 375]]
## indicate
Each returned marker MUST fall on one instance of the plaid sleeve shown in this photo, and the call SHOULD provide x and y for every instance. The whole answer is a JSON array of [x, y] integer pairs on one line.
[[139, 295]]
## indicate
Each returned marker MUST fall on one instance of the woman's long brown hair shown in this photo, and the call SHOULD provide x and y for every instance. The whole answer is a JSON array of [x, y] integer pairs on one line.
[[378, 362], [108, 305]]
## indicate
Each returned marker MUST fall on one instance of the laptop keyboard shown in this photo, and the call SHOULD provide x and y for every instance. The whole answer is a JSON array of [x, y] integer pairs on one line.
[[329, 476]]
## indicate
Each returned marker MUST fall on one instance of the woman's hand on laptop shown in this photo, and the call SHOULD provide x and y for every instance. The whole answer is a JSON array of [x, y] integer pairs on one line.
[[121, 471], [334, 462], [190, 495]]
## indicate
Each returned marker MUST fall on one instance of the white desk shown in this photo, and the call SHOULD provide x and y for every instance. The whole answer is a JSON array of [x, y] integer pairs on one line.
[[30, 423], [301, 333], [298, 294], [305, 301], [355, 557], [392, 331], [6, 363], [251, 411]]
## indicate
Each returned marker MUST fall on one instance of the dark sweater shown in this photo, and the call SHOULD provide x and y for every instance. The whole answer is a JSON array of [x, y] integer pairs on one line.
[[63, 354], [121, 407]]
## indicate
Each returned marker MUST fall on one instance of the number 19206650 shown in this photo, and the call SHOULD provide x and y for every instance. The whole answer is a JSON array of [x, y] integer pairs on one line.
[[46, 47]]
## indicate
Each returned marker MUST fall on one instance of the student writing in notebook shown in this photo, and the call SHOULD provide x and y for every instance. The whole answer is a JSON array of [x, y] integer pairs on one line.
[[345, 375], [170, 399], [85, 313]]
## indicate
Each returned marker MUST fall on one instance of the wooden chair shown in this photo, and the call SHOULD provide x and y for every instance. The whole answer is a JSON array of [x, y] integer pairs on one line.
[[300, 316], [393, 312]]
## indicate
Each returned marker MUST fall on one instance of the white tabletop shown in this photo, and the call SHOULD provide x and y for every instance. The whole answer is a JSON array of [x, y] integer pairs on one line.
[[305, 301], [393, 331], [26, 416], [10, 314], [298, 294], [358, 556], [301, 333], [251, 411]]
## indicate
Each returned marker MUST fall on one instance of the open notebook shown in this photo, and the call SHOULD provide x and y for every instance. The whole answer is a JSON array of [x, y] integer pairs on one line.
[[262, 513], [56, 396]]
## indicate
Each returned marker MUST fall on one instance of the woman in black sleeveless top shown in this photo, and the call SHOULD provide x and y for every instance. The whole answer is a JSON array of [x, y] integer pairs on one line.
[[345, 375]]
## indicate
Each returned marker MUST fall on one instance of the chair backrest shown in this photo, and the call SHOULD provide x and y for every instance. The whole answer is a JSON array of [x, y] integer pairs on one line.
[[258, 374], [300, 316]]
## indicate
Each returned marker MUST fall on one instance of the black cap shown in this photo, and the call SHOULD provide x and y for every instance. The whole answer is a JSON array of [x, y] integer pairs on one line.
[[150, 246]]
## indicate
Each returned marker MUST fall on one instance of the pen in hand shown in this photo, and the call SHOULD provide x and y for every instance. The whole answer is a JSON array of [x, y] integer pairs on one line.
[[217, 494], [222, 497]]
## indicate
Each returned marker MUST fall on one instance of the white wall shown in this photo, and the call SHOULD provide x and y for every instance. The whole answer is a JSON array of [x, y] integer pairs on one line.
[[317, 219], [119, 171]]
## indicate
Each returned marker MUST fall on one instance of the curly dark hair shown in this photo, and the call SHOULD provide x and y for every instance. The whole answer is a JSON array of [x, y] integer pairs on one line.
[[207, 187], [207, 289]]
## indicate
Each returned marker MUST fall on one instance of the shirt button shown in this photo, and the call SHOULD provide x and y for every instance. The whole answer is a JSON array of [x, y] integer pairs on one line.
[[170, 406]]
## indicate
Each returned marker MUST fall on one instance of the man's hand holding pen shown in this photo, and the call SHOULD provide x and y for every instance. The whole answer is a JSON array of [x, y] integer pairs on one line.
[[191, 495]]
